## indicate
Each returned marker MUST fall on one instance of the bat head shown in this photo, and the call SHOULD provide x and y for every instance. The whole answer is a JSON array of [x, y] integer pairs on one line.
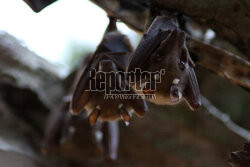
[[179, 81]]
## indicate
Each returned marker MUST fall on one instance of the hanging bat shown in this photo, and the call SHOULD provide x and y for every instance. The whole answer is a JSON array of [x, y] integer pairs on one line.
[[163, 46], [110, 56], [61, 128]]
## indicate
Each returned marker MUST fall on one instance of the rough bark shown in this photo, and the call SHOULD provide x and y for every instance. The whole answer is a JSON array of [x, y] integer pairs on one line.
[[229, 18], [222, 62]]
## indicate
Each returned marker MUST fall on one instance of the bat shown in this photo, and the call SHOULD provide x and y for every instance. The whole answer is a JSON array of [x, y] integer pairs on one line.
[[163, 47], [58, 128], [111, 56]]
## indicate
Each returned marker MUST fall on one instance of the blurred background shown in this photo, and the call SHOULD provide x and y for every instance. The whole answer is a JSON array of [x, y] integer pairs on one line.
[[62, 34]]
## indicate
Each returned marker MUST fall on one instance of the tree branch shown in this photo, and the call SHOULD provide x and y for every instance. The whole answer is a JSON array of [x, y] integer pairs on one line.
[[224, 118], [229, 18], [224, 63]]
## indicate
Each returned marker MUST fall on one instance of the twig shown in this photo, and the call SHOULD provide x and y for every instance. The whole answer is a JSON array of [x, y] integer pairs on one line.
[[225, 119]]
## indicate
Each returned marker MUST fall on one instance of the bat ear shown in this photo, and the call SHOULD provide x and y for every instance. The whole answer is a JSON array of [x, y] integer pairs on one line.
[[191, 92]]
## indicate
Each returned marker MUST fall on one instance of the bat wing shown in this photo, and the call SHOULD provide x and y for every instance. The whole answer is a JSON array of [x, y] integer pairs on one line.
[[80, 96], [192, 92], [157, 32]]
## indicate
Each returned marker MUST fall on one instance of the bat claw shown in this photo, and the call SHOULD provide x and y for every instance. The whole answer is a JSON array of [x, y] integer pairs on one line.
[[125, 116], [140, 113], [94, 116], [74, 112], [127, 123], [195, 106]]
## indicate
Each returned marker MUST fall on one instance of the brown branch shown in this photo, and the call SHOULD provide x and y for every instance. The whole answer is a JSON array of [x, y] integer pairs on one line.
[[224, 63], [229, 18], [129, 16], [134, 18]]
